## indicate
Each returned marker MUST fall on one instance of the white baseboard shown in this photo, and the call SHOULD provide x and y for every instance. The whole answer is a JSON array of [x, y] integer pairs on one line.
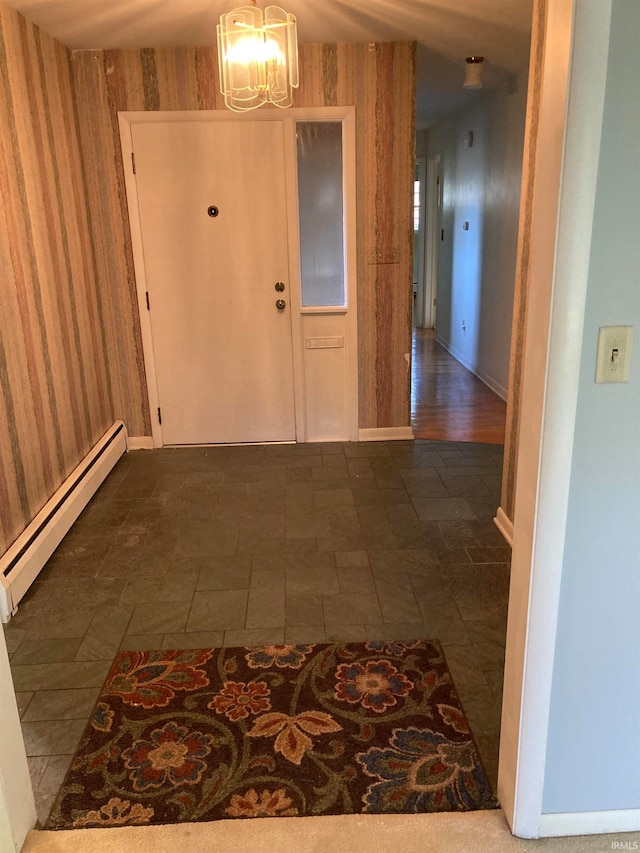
[[496, 387], [504, 525], [20, 565], [591, 823], [140, 442], [386, 434]]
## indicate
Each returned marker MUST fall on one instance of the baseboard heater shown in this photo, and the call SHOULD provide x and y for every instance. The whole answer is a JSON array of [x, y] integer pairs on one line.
[[20, 565]]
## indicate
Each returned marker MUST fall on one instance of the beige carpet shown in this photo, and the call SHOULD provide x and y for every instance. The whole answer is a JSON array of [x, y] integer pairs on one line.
[[480, 832]]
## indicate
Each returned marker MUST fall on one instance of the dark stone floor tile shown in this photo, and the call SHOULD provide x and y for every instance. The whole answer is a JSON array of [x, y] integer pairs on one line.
[[46, 651], [107, 628], [169, 587], [22, 700], [72, 704], [58, 737], [354, 449], [308, 525], [457, 459], [354, 579], [418, 534], [333, 498], [400, 512], [458, 534], [391, 632], [397, 601], [418, 459], [465, 486], [303, 610], [303, 634], [207, 540], [351, 558], [61, 624], [250, 637], [141, 642], [218, 572], [260, 546], [487, 533], [444, 509], [161, 617], [193, 640], [50, 676], [345, 633], [490, 554], [367, 496], [360, 467], [312, 580], [266, 607], [351, 608], [216, 611]]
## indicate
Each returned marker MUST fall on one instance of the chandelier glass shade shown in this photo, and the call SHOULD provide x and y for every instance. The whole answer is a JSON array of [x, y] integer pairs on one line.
[[258, 57], [473, 74]]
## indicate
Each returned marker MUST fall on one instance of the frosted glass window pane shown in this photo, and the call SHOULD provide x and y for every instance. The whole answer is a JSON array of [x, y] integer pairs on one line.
[[321, 212]]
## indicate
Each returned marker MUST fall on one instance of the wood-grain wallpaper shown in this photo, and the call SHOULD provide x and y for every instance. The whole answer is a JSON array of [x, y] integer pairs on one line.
[[379, 80], [57, 392], [70, 351]]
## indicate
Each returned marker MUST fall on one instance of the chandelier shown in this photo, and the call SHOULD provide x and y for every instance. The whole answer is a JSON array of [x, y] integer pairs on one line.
[[473, 75], [258, 57]]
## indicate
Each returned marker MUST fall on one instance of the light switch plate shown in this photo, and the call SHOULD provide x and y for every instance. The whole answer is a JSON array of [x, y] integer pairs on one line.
[[614, 353]]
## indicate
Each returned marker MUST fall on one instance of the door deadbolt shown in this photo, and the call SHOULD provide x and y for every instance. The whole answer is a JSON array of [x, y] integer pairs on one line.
[[279, 286], [280, 304], [213, 210]]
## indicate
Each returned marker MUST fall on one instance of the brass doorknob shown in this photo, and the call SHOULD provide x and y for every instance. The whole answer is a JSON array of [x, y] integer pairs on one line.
[[280, 304]]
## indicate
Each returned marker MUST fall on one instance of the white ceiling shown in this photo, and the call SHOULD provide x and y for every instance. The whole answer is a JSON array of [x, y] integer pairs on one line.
[[446, 31]]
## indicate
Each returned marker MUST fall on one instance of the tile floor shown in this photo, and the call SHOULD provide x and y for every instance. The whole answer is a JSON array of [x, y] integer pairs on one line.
[[196, 547]]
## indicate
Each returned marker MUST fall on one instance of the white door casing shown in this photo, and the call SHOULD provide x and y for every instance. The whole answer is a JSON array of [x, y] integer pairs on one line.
[[432, 242], [223, 350], [342, 378]]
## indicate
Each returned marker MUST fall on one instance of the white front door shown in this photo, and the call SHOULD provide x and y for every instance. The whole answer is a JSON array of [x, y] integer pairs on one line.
[[213, 216]]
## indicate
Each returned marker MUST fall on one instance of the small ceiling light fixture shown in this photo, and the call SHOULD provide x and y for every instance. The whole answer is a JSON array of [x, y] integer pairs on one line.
[[473, 77], [258, 57]]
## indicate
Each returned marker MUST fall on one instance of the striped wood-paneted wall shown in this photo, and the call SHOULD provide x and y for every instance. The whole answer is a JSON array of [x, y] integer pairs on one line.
[[57, 396], [379, 80]]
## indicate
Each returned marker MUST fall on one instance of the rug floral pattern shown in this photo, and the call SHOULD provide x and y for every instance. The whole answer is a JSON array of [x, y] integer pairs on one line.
[[273, 731]]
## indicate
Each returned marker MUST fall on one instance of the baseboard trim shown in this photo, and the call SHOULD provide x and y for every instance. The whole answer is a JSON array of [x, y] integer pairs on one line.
[[590, 823], [504, 525], [496, 387], [22, 562], [386, 434], [140, 442]]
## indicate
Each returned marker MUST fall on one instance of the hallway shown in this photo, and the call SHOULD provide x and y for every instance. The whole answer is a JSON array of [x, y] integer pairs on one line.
[[448, 402]]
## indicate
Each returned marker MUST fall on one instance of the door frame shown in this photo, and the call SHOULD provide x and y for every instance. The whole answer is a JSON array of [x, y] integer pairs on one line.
[[433, 211], [420, 256], [346, 116]]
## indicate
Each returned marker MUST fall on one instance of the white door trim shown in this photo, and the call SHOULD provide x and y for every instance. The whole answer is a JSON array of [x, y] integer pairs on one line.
[[420, 300], [346, 115], [568, 145], [433, 196]]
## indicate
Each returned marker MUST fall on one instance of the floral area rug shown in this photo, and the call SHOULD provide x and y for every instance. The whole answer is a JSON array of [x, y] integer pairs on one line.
[[273, 731]]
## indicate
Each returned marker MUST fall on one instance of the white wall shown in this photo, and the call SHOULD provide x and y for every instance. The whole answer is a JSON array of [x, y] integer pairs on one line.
[[17, 808], [476, 267], [593, 751]]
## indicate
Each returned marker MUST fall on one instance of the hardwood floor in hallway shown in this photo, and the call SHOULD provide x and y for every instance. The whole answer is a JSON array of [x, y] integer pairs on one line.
[[447, 401]]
